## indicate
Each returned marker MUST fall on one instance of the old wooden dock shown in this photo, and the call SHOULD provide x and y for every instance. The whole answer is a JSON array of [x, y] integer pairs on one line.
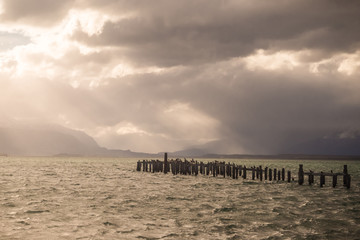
[[235, 171]]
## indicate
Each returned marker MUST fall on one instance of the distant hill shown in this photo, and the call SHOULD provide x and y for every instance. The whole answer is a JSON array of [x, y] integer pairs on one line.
[[192, 152], [54, 140], [283, 156]]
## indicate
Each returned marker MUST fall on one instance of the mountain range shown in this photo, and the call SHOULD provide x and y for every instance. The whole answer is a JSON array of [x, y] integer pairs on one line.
[[55, 140]]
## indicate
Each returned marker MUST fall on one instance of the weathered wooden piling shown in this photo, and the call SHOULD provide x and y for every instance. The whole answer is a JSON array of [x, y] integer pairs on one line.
[[266, 173], [275, 174], [138, 166], [233, 171], [301, 175], [283, 174], [311, 177], [288, 176], [223, 166], [213, 168], [322, 179], [165, 163], [348, 181], [334, 182], [345, 173], [270, 174]]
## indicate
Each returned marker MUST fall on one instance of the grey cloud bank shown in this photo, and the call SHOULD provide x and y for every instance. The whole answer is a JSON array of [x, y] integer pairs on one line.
[[227, 76]]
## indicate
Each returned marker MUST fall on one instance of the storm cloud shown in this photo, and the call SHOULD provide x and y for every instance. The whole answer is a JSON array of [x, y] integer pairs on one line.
[[227, 76]]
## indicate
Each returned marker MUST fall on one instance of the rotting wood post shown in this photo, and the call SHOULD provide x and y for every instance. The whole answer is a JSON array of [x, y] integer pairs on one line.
[[230, 170], [233, 171], [266, 172], [261, 173], [224, 169], [275, 174], [334, 182], [138, 166], [214, 169], [257, 173], [165, 163], [240, 170], [173, 167], [189, 167], [322, 179], [244, 173], [182, 167], [348, 181], [301, 174], [288, 176], [311, 176], [279, 173], [253, 173], [270, 174], [345, 173], [283, 174]]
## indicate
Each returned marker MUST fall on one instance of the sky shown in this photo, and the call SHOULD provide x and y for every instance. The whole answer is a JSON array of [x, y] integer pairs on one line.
[[233, 76]]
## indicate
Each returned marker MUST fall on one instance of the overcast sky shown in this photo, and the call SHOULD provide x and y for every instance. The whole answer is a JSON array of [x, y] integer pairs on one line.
[[252, 76]]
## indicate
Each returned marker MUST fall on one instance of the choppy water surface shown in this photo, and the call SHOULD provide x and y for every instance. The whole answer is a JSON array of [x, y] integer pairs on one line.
[[78, 198]]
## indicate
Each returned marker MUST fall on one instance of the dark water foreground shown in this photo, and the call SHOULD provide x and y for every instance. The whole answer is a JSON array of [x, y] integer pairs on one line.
[[78, 198]]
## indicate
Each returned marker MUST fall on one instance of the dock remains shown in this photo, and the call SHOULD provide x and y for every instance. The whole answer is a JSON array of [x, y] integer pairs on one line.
[[235, 171]]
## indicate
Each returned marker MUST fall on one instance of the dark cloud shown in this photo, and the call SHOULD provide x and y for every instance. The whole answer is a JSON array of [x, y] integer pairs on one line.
[[198, 32], [260, 112]]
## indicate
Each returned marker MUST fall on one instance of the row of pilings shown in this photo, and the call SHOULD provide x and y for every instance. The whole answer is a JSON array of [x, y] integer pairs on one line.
[[235, 171], [215, 169]]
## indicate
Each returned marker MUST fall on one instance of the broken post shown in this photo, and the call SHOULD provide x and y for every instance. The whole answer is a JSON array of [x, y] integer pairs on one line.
[[165, 163], [301, 174]]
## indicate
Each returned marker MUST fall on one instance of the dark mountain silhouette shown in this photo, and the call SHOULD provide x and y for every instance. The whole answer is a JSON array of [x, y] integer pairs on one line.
[[54, 140]]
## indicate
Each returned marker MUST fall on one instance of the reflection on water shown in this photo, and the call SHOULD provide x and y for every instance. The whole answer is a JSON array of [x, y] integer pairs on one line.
[[79, 198]]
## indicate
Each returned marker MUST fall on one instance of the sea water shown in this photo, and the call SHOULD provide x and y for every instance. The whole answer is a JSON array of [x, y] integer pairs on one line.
[[106, 198]]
